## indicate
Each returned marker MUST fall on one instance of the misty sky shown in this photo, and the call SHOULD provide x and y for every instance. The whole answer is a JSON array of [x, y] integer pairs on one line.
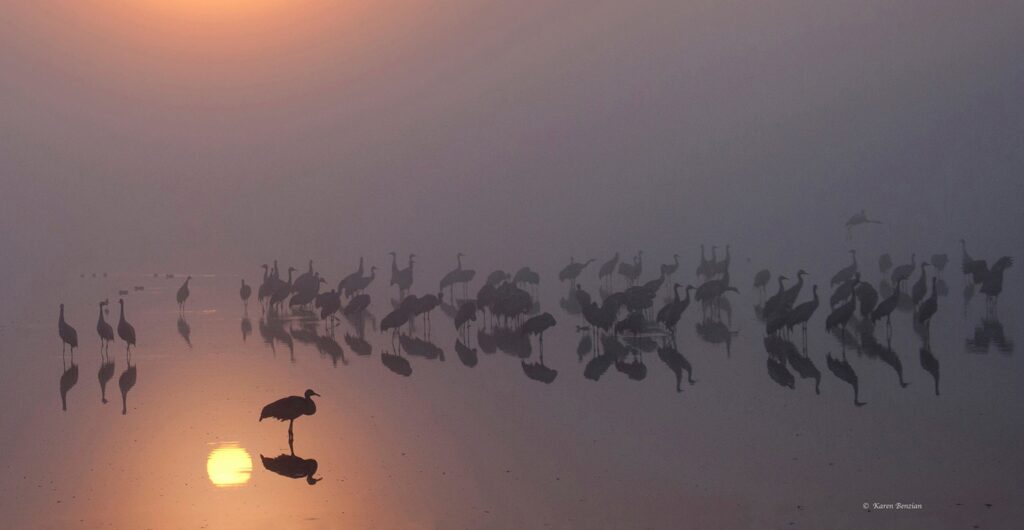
[[187, 135]]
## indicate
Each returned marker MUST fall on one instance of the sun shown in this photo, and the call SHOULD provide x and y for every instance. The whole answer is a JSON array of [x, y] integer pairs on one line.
[[229, 465]]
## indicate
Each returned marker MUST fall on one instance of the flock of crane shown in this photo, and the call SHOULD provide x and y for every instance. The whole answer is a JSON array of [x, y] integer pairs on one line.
[[616, 326]]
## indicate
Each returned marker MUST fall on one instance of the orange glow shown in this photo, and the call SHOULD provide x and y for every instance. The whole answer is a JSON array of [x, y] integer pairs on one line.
[[229, 465]]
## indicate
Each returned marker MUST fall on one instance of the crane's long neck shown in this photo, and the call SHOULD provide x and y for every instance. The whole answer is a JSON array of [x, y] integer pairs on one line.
[[458, 258], [61, 314], [675, 291]]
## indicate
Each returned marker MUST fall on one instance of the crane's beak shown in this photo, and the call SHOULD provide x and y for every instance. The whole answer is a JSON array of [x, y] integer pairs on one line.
[[317, 395]]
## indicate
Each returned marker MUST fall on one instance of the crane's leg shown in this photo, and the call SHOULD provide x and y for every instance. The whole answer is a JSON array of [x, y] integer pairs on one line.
[[291, 435]]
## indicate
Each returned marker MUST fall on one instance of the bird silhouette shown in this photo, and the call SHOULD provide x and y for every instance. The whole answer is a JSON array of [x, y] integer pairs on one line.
[[68, 335], [125, 330], [346, 282], [886, 306], [802, 313], [289, 409], [572, 271], [360, 283], [928, 308], [291, 466], [841, 315], [126, 382], [669, 269], [992, 282], [778, 372], [244, 292], [903, 272], [104, 330], [671, 312], [105, 374], [846, 273], [467, 312], [858, 219], [402, 277], [867, 297], [68, 379], [939, 261], [761, 280], [845, 372], [183, 293], [537, 325], [282, 290], [605, 273]]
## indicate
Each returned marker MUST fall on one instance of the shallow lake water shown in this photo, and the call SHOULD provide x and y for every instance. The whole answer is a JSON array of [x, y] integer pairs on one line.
[[472, 441]]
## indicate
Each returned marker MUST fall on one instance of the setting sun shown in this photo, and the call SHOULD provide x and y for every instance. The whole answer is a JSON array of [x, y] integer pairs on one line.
[[229, 465]]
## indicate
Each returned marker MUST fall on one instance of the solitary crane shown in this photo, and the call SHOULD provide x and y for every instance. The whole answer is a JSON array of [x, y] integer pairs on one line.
[[125, 330], [244, 293], [289, 409], [68, 335], [183, 294], [104, 330]]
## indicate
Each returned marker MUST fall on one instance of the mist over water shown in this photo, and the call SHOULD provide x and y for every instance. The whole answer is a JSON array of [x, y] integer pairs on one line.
[[206, 140]]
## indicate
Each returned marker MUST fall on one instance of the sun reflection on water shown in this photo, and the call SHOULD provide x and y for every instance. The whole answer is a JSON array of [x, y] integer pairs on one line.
[[229, 465]]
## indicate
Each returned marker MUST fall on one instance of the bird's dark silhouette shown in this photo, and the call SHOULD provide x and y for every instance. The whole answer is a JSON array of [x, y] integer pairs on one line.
[[246, 328], [291, 466], [68, 379], [800, 314], [125, 330], [572, 271], [68, 335], [606, 271], [289, 409], [903, 272], [244, 292], [668, 270], [396, 363], [467, 355], [778, 373], [677, 364], [185, 330], [761, 280], [403, 278], [104, 330], [846, 273], [126, 382], [345, 283], [841, 315], [845, 372], [105, 374], [886, 307], [671, 312], [538, 371], [928, 308], [183, 293], [537, 326], [858, 219]]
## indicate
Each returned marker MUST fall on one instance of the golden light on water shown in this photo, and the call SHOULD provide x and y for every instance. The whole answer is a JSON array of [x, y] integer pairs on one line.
[[229, 465]]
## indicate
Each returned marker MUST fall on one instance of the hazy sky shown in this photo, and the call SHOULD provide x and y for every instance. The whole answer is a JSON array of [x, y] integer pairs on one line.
[[185, 134]]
